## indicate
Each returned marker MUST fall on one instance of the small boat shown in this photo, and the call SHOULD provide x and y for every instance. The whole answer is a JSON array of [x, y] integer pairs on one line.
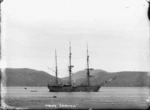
[[33, 90], [25, 88]]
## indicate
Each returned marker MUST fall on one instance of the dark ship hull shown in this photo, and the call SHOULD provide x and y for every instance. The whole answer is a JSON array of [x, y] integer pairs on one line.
[[67, 88]]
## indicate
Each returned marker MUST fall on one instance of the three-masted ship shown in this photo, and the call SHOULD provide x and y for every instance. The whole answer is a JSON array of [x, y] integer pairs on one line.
[[69, 87]]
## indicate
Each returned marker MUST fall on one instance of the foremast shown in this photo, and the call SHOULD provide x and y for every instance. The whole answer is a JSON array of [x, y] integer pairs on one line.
[[56, 68], [70, 65]]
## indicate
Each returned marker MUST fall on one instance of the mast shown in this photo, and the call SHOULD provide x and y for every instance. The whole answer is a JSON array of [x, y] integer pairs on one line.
[[70, 66], [56, 71], [88, 71]]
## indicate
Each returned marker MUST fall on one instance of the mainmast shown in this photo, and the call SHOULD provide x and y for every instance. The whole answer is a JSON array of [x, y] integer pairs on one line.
[[56, 71], [70, 66], [88, 69]]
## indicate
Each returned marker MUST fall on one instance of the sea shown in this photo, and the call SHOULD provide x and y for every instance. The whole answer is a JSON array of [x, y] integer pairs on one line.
[[106, 97]]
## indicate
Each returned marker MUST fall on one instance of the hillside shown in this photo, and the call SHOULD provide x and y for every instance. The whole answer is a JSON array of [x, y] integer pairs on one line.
[[80, 77], [27, 77], [31, 77], [130, 79], [123, 79]]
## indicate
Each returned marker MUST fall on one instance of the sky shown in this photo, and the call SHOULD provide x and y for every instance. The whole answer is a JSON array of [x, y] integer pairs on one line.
[[117, 33]]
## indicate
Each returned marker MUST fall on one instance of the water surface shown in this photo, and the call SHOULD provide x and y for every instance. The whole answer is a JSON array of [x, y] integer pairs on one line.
[[107, 97]]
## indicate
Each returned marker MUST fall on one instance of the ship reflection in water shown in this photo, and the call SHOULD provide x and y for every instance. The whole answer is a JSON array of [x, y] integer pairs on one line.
[[69, 87]]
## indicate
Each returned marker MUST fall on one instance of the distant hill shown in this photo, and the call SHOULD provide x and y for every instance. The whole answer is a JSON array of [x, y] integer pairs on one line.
[[27, 77], [123, 79], [130, 79], [31, 77], [80, 76]]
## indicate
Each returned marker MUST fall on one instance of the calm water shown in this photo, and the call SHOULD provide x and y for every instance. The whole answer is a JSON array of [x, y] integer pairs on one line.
[[107, 97]]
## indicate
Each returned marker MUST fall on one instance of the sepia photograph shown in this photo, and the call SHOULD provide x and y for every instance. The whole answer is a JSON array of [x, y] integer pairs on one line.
[[75, 54]]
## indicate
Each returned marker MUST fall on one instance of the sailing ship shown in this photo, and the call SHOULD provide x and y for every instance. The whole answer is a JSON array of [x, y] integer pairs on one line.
[[69, 87]]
